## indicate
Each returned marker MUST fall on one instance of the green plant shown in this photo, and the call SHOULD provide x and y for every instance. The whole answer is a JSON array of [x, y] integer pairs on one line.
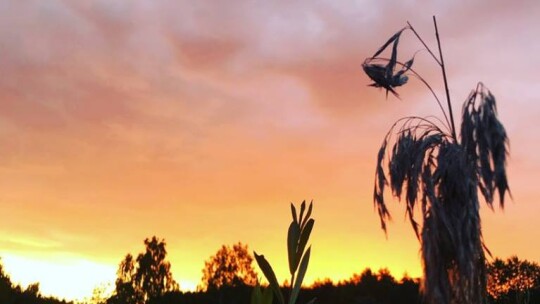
[[259, 296], [297, 239], [441, 175]]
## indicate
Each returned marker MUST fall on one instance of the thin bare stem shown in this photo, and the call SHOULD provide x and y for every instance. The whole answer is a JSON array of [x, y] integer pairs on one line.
[[445, 81], [425, 45], [292, 283]]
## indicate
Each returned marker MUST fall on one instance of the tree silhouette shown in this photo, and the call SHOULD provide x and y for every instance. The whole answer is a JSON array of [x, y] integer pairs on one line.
[[126, 290], [146, 278], [441, 175], [6, 286], [154, 275], [229, 267], [513, 279]]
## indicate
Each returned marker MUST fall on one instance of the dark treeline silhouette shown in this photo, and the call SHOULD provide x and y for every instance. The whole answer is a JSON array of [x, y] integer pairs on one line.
[[365, 288], [229, 277]]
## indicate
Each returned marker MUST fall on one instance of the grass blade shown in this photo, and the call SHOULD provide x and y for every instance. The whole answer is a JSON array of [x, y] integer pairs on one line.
[[270, 276]]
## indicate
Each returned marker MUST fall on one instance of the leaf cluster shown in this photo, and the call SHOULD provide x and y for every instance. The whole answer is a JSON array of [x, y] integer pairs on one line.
[[297, 239]]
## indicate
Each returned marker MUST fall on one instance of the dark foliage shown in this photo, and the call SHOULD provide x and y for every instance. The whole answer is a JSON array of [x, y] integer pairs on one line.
[[366, 288], [514, 281], [229, 267], [147, 278], [223, 295]]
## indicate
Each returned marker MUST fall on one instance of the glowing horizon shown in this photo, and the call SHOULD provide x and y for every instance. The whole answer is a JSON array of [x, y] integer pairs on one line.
[[200, 123]]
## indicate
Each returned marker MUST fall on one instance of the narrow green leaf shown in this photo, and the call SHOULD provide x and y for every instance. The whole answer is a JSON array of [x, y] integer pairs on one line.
[[312, 301], [267, 296], [308, 214], [256, 295], [304, 237], [300, 277], [293, 211], [292, 244], [270, 276]]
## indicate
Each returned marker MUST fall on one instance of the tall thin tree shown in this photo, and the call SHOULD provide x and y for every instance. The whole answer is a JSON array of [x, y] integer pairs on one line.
[[440, 174]]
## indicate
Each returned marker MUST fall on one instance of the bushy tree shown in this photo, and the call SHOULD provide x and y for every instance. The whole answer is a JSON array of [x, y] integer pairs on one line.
[[145, 278], [511, 281], [230, 266], [153, 274]]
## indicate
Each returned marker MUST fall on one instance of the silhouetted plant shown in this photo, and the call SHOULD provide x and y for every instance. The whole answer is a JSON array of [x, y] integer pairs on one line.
[[442, 174], [231, 267], [261, 296], [297, 239]]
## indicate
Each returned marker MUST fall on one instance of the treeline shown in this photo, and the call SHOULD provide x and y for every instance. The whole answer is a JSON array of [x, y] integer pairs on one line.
[[365, 288], [228, 276]]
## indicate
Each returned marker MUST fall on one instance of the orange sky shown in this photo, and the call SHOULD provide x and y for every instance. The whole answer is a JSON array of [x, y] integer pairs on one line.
[[199, 123]]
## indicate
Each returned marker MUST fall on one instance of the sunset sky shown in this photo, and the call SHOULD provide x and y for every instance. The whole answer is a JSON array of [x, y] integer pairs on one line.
[[200, 121]]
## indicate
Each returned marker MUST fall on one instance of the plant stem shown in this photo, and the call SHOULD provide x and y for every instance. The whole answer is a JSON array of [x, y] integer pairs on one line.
[[292, 286], [425, 45], [445, 81]]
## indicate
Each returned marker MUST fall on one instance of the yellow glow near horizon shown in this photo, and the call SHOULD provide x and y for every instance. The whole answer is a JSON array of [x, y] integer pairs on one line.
[[74, 279], [67, 278]]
